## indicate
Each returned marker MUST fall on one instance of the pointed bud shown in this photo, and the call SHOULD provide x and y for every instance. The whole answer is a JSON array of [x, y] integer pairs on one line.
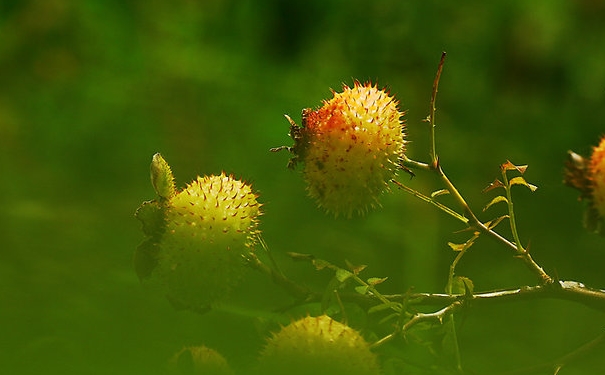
[[161, 177]]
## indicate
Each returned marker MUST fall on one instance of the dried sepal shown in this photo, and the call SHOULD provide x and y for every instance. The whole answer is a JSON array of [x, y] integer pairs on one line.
[[494, 185]]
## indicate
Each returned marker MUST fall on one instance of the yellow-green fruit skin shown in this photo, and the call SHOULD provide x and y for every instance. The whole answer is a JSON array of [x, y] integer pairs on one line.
[[597, 177], [210, 226], [199, 360], [317, 345], [351, 149]]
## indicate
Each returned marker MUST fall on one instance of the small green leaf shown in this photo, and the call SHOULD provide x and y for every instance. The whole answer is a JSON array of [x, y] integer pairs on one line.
[[355, 269], [493, 223], [152, 215], [320, 264], [388, 318], [342, 275], [384, 306], [457, 246], [497, 199], [439, 192], [521, 181], [376, 280], [494, 185], [462, 285], [300, 256], [145, 258], [362, 289]]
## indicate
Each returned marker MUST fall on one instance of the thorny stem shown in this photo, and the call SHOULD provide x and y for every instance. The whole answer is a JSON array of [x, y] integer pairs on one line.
[[433, 109], [468, 217], [450, 187], [511, 214], [563, 290]]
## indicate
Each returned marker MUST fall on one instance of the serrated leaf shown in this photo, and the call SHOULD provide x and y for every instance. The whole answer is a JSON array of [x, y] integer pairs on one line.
[[383, 306], [439, 192], [521, 181], [376, 280], [362, 289], [342, 275], [494, 185], [497, 199], [145, 258], [493, 223], [152, 215]]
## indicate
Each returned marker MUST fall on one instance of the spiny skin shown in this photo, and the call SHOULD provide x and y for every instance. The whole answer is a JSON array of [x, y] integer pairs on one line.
[[350, 148], [318, 345], [597, 178], [210, 226]]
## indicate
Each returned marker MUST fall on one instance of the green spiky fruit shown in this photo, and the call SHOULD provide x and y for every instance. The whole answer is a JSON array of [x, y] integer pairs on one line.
[[210, 226], [318, 345], [199, 360], [351, 148]]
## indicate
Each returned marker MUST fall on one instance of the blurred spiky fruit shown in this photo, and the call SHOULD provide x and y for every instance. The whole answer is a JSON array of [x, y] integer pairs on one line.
[[351, 148], [318, 345], [211, 225], [199, 360], [597, 177], [588, 176]]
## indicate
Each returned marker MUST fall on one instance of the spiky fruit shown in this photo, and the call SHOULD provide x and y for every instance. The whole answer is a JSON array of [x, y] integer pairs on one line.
[[196, 238], [318, 345], [597, 177], [210, 226], [350, 147], [199, 360]]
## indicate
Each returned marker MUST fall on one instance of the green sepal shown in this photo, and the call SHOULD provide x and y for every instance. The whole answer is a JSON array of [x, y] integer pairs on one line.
[[153, 216], [146, 258]]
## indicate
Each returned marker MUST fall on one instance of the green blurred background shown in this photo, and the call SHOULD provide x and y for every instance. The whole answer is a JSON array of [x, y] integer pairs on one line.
[[90, 90]]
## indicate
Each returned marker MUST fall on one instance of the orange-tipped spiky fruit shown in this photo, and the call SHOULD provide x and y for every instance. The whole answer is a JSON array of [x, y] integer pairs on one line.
[[351, 148], [597, 178], [588, 176], [318, 345], [198, 237]]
